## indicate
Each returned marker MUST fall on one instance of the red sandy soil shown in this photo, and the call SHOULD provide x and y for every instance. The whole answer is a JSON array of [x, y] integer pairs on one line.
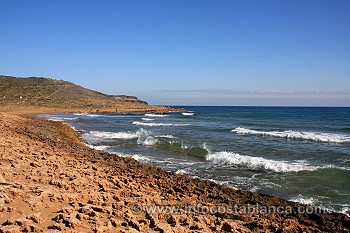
[[51, 182]]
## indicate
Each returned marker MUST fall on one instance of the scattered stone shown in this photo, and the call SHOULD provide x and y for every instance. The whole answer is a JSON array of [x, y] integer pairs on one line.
[[227, 227], [10, 229]]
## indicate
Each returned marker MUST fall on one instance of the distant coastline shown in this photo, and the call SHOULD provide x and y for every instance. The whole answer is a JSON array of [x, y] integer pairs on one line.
[[45, 95]]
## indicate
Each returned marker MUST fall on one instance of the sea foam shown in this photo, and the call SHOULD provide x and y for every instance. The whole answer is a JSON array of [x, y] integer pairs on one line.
[[137, 157], [98, 147], [304, 200], [157, 124], [314, 136], [111, 135], [62, 119], [259, 163], [147, 119], [155, 115], [144, 138]]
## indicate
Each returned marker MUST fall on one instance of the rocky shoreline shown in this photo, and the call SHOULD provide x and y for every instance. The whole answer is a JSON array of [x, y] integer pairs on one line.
[[50, 181]]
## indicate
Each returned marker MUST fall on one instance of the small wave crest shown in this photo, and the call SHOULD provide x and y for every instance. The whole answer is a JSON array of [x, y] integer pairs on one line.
[[259, 163], [166, 136], [135, 156], [111, 135], [304, 200], [188, 113], [144, 138], [96, 115], [98, 147], [314, 136], [87, 114], [181, 172], [147, 119], [175, 146], [157, 124], [155, 115], [60, 119]]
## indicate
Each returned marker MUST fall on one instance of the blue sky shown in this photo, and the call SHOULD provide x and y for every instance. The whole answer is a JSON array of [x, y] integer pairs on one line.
[[185, 52]]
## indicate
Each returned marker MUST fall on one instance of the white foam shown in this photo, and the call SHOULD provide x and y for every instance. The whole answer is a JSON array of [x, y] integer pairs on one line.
[[301, 199], [98, 147], [145, 139], [155, 115], [111, 135], [166, 136], [60, 119], [143, 136], [87, 114], [136, 156], [345, 210], [95, 115], [258, 162], [188, 113], [206, 147], [157, 124], [314, 136], [147, 119], [181, 171]]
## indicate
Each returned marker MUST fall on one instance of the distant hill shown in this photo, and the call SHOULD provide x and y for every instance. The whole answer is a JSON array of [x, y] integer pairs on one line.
[[51, 93]]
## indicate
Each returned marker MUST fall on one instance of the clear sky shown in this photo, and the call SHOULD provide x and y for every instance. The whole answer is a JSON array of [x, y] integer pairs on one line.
[[185, 52]]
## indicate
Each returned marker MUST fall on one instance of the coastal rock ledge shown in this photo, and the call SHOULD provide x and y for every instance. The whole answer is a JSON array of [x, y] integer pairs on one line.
[[51, 182]]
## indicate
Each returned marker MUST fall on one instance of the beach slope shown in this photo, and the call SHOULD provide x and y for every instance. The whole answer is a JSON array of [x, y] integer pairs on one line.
[[49, 180]]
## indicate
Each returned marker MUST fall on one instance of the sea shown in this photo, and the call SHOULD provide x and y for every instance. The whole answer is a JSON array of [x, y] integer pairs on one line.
[[298, 153]]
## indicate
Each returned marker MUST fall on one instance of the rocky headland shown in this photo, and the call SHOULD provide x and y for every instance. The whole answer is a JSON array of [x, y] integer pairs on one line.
[[45, 95]]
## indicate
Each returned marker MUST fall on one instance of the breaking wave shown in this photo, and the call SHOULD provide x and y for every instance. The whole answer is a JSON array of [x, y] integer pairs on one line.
[[260, 163], [314, 136], [135, 156], [181, 171], [167, 136], [180, 147], [157, 124], [155, 115], [147, 119], [304, 200], [97, 147], [111, 135], [188, 113], [60, 119], [144, 138], [86, 114]]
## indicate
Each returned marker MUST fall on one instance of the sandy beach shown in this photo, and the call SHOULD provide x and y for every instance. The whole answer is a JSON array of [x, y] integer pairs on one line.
[[51, 181]]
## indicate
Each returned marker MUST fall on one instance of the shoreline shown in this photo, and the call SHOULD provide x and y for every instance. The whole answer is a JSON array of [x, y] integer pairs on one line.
[[31, 110], [91, 190]]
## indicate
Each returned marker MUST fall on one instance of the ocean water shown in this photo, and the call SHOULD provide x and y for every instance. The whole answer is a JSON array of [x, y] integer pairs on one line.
[[300, 154]]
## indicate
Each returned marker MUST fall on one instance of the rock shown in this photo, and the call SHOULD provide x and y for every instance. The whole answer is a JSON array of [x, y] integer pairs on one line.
[[172, 220], [23, 222], [36, 217], [98, 209], [56, 226], [227, 227], [10, 229], [2, 179]]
